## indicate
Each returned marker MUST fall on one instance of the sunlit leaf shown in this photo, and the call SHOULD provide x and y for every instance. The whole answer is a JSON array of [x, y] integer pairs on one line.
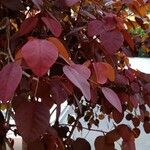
[[40, 55]]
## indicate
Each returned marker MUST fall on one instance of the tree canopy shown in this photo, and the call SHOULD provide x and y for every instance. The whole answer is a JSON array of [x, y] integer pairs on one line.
[[52, 51]]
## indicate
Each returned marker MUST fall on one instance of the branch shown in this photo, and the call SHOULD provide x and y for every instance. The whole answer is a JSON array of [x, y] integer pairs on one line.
[[9, 50], [86, 128]]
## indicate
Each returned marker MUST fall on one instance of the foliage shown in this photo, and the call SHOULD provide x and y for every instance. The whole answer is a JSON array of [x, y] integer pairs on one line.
[[57, 50]]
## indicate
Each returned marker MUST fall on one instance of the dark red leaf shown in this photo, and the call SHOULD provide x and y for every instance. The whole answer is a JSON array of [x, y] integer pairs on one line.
[[13, 4], [112, 136], [100, 143], [112, 97], [134, 101], [135, 87], [130, 145], [100, 72], [43, 92], [110, 22], [136, 121], [52, 142], [147, 87], [112, 41], [130, 74], [139, 20], [81, 144], [78, 75], [128, 39], [125, 132], [28, 25], [54, 26], [40, 55], [95, 27], [117, 116], [126, 1], [38, 145], [58, 92], [146, 127], [38, 3], [136, 132], [121, 79], [10, 77], [32, 118], [71, 2]]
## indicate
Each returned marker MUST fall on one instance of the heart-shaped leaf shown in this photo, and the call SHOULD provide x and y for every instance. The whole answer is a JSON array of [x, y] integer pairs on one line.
[[112, 41], [112, 97], [103, 72], [40, 55], [61, 48], [78, 75], [32, 118], [95, 27], [54, 26], [10, 77]]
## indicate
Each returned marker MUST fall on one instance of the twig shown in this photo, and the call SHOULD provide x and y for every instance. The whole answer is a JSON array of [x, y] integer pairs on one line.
[[96, 130], [36, 88], [73, 127], [9, 50]]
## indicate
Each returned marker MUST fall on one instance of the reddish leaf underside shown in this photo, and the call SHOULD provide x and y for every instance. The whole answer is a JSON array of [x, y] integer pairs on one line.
[[112, 97], [10, 77], [33, 120], [40, 55], [54, 26], [78, 75]]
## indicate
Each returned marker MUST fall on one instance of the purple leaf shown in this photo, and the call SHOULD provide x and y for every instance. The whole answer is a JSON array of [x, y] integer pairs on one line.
[[71, 2], [38, 3], [13, 4], [78, 75], [54, 26], [40, 55], [32, 118], [28, 25], [95, 27], [112, 97], [112, 41], [10, 77]]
